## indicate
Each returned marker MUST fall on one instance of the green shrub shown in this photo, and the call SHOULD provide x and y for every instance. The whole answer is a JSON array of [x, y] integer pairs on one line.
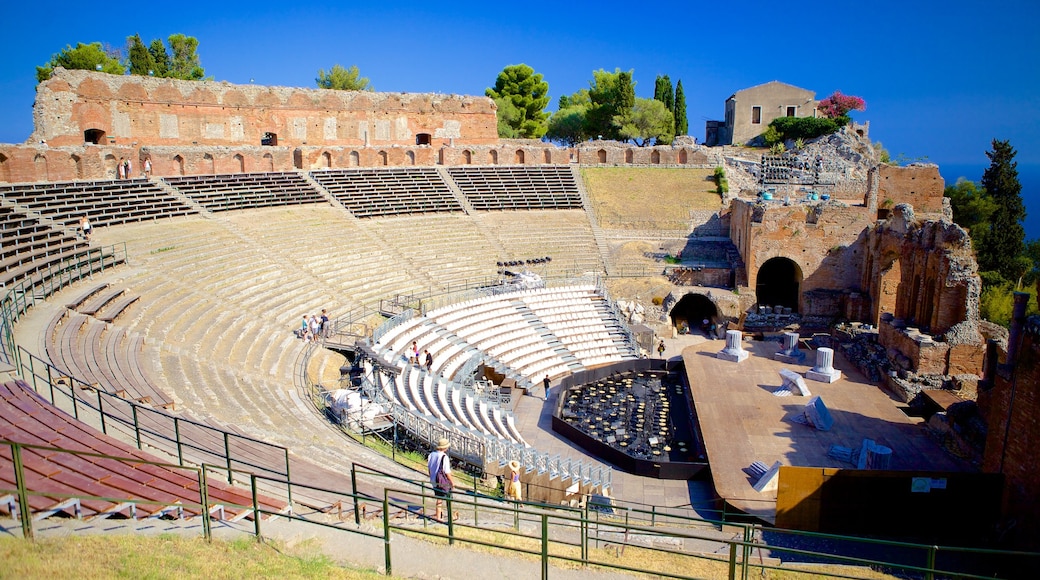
[[804, 127], [772, 136]]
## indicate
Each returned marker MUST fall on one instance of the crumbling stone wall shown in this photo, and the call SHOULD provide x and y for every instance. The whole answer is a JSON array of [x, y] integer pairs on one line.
[[821, 238], [142, 110], [1009, 399], [918, 184], [923, 274], [617, 153]]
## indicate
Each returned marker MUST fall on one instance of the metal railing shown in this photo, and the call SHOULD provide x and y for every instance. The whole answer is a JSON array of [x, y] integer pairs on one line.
[[18, 298], [590, 535], [181, 437]]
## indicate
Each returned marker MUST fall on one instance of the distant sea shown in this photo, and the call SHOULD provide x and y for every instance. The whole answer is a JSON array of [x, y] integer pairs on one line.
[[1028, 176]]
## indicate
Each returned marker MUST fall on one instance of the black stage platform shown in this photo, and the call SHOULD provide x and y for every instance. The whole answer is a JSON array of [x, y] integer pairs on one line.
[[638, 415]]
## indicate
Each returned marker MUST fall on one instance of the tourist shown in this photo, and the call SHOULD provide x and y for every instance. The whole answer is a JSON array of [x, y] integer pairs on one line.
[[85, 228], [128, 171], [147, 166], [303, 329], [324, 324], [660, 349], [438, 464], [121, 168], [315, 327], [513, 485], [546, 384], [429, 360], [414, 353]]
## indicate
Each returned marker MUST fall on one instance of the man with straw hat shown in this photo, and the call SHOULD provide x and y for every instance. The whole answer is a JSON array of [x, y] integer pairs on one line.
[[513, 485], [439, 466]]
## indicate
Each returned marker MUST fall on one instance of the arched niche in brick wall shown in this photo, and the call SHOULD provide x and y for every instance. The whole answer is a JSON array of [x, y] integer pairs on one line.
[[40, 167], [178, 165], [519, 157], [5, 168], [779, 283], [110, 166], [240, 162], [628, 156], [548, 156], [601, 156], [467, 157], [655, 158], [493, 157], [268, 162], [94, 136], [693, 309], [354, 159], [682, 157], [410, 157]]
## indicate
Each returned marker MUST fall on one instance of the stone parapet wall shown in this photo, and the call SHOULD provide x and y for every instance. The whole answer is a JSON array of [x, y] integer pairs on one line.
[[919, 185], [129, 110], [617, 153]]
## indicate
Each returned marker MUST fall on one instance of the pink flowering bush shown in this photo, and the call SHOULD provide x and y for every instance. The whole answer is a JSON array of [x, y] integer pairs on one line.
[[839, 105]]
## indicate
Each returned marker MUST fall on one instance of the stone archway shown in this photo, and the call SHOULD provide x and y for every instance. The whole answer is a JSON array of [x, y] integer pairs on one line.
[[779, 283], [691, 311]]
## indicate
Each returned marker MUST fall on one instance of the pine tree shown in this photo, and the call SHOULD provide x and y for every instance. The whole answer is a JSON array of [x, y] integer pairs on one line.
[[682, 125], [1004, 240], [663, 92]]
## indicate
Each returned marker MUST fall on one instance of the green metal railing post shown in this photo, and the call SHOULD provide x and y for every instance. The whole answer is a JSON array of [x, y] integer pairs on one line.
[[177, 440], [451, 520], [101, 410], [353, 491], [585, 535], [24, 511], [137, 426], [227, 456], [932, 552], [732, 561], [288, 477], [749, 532], [256, 507], [50, 379], [386, 532], [545, 546], [204, 495]]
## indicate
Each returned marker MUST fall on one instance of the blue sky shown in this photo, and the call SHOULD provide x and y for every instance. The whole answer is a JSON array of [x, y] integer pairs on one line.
[[941, 79]]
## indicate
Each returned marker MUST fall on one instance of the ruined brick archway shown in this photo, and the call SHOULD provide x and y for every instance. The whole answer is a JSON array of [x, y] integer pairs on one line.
[[779, 283], [691, 310]]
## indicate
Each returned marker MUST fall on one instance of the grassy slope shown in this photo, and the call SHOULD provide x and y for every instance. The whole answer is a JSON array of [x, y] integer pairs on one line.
[[649, 197]]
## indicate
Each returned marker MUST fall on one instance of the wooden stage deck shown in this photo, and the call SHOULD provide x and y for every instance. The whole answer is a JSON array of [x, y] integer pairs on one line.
[[743, 422]]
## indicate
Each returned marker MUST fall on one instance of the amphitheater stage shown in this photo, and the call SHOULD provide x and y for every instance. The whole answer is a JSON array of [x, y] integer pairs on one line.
[[743, 422]]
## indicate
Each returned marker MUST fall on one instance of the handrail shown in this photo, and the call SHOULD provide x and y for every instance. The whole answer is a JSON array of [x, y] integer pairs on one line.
[[23, 294], [584, 526], [104, 404]]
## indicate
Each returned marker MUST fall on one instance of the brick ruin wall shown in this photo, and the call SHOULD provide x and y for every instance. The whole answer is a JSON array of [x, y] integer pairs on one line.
[[1009, 399], [822, 239], [206, 127], [144, 110], [919, 185]]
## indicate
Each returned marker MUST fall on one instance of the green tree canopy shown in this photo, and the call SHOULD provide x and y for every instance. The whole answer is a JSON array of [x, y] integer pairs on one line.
[[1005, 238], [612, 95], [161, 58], [155, 60], [528, 94], [663, 92], [343, 79], [139, 60], [648, 120], [509, 118], [84, 57], [972, 208], [568, 125], [184, 63], [682, 125]]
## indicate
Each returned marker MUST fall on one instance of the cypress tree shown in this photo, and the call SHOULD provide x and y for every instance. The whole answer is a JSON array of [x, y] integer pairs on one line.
[[1004, 240], [682, 125], [663, 92]]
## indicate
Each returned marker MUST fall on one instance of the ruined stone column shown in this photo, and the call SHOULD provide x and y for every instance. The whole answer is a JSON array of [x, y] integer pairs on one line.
[[790, 353], [733, 352], [824, 371]]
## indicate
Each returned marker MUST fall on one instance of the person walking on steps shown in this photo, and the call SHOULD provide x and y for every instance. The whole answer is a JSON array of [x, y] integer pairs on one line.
[[438, 464]]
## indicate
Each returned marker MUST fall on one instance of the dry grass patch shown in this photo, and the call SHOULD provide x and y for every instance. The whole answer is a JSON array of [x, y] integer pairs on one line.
[[166, 556], [647, 197]]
